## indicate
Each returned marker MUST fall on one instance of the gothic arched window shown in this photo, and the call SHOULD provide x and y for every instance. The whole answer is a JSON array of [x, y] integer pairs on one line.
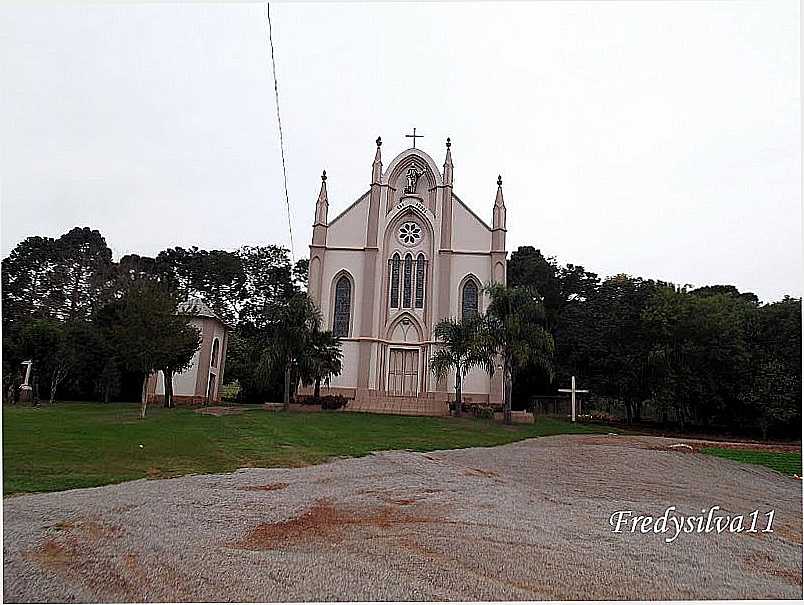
[[469, 300], [343, 305], [420, 282], [214, 357], [395, 282], [407, 285]]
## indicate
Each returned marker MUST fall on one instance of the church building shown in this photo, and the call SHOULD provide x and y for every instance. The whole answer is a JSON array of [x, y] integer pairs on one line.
[[406, 254]]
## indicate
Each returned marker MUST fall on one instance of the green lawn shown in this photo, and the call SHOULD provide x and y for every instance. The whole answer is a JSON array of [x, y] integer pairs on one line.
[[74, 445], [787, 463]]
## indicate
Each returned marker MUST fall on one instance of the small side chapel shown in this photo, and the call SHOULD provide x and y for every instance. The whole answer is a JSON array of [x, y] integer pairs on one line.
[[406, 254]]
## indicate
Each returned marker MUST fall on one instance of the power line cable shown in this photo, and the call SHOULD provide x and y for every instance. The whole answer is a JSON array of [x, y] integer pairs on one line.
[[279, 122]]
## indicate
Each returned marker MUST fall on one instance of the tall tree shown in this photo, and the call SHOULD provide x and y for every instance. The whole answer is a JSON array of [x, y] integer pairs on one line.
[[517, 325], [53, 347], [322, 360], [216, 276], [85, 270], [291, 325], [773, 396], [466, 344], [147, 333], [177, 355], [268, 282], [30, 286]]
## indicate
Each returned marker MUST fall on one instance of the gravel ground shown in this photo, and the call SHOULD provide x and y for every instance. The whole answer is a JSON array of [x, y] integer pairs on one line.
[[528, 520]]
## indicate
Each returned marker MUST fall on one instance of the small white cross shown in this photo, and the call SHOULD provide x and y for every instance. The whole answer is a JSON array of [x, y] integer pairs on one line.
[[573, 390]]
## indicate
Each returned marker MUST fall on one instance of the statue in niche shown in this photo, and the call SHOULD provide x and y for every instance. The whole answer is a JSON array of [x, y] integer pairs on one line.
[[413, 175]]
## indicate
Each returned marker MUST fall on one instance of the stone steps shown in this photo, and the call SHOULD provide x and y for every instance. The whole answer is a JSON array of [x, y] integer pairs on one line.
[[406, 406]]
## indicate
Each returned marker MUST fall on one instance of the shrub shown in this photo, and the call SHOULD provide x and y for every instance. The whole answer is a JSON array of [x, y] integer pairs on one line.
[[597, 417], [333, 402], [480, 411]]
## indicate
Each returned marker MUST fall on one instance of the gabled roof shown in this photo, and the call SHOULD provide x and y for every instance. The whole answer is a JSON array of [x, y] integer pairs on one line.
[[196, 307]]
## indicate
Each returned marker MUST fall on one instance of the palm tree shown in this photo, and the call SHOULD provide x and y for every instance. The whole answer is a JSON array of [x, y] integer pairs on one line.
[[322, 359], [517, 325], [465, 345], [292, 325]]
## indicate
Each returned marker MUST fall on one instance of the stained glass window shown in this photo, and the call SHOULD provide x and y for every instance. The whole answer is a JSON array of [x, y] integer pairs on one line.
[[469, 300], [343, 303], [395, 282], [407, 285], [420, 282]]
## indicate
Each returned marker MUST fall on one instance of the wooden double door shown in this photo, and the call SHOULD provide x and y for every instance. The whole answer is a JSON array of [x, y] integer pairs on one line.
[[403, 372]]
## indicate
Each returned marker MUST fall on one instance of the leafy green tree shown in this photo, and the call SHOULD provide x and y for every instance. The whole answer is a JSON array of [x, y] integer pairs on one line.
[[30, 288], [133, 268], [614, 343], [776, 332], [95, 369], [177, 355], [565, 292], [700, 351], [517, 327], [557, 285], [301, 271], [286, 346], [217, 276], [727, 290], [268, 283], [84, 265], [773, 391], [774, 396], [321, 360], [53, 347], [147, 333], [466, 344]]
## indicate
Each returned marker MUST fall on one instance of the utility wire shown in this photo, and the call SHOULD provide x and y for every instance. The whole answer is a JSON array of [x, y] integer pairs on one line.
[[279, 122]]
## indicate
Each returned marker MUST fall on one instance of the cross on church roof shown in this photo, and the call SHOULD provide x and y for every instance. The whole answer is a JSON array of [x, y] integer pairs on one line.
[[414, 136]]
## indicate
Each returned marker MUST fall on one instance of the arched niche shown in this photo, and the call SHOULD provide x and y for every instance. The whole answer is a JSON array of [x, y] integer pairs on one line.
[[405, 328], [395, 174]]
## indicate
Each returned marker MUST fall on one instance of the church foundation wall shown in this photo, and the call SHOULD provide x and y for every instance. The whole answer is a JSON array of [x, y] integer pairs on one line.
[[180, 400]]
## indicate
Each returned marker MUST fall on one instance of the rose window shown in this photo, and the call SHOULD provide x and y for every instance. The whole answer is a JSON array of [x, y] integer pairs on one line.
[[410, 233]]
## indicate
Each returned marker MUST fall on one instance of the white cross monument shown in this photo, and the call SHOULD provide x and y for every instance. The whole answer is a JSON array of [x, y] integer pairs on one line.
[[573, 390]]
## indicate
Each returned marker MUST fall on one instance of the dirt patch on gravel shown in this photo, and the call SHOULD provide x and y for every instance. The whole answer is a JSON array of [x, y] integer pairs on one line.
[[73, 540], [479, 472], [88, 529], [269, 487], [770, 566], [789, 533], [51, 554], [324, 519]]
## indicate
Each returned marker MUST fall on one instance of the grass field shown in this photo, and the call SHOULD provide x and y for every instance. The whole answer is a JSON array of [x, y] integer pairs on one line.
[[74, 445], [787, 463]]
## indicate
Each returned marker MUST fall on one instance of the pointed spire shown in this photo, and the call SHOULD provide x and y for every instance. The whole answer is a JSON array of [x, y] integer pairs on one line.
[[376, 167], [448, 165], [499, 207], [322, 205]]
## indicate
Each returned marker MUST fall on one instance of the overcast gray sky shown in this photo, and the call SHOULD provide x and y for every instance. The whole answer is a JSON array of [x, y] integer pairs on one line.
[[660, 139]]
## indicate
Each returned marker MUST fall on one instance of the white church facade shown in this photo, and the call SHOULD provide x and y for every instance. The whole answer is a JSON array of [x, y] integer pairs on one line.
[[406, 254]]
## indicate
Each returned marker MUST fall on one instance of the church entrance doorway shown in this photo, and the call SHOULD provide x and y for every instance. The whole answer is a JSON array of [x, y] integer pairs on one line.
[[403, 372]]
